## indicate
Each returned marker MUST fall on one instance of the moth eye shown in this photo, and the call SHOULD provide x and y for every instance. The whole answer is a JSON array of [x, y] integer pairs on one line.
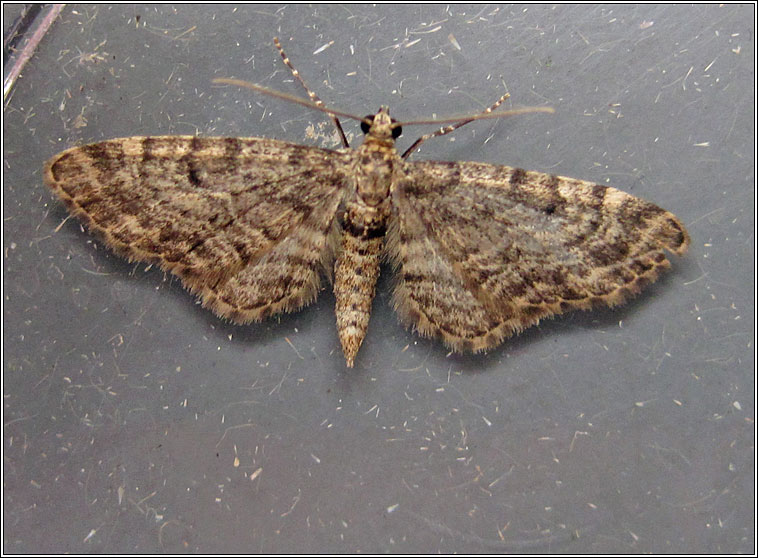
[[364, 125], [397, 131]]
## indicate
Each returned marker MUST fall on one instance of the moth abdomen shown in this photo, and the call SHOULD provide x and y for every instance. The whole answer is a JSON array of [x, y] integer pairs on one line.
[[355, 274], [366, 231]]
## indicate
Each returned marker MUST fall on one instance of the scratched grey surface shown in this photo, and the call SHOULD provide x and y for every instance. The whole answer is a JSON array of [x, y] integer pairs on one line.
[[135, 421]]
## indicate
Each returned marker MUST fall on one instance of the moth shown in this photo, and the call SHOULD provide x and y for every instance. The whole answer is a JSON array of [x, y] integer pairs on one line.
[[479, 251]]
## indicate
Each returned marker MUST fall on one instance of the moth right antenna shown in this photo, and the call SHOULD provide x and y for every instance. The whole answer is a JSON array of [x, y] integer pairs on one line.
[[457, 122]]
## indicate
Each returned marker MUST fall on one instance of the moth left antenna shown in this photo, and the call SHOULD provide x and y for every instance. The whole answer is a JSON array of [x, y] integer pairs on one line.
[[290, 98], [311, 94]]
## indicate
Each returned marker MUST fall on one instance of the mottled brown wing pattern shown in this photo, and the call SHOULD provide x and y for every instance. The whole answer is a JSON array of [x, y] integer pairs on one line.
[[484, 251], [480, 251], [247, 223]]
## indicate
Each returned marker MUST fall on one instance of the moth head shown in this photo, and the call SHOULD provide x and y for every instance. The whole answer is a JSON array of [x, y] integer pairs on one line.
[[380, 122]]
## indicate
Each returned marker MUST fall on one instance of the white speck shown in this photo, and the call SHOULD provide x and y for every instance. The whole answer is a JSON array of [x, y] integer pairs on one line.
[[323, 47]]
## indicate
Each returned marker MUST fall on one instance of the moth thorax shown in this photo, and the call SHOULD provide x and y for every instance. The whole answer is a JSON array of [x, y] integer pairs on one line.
[[374, 177]]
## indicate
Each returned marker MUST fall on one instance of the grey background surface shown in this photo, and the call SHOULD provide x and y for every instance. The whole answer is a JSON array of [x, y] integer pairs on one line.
[[136, 421]]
